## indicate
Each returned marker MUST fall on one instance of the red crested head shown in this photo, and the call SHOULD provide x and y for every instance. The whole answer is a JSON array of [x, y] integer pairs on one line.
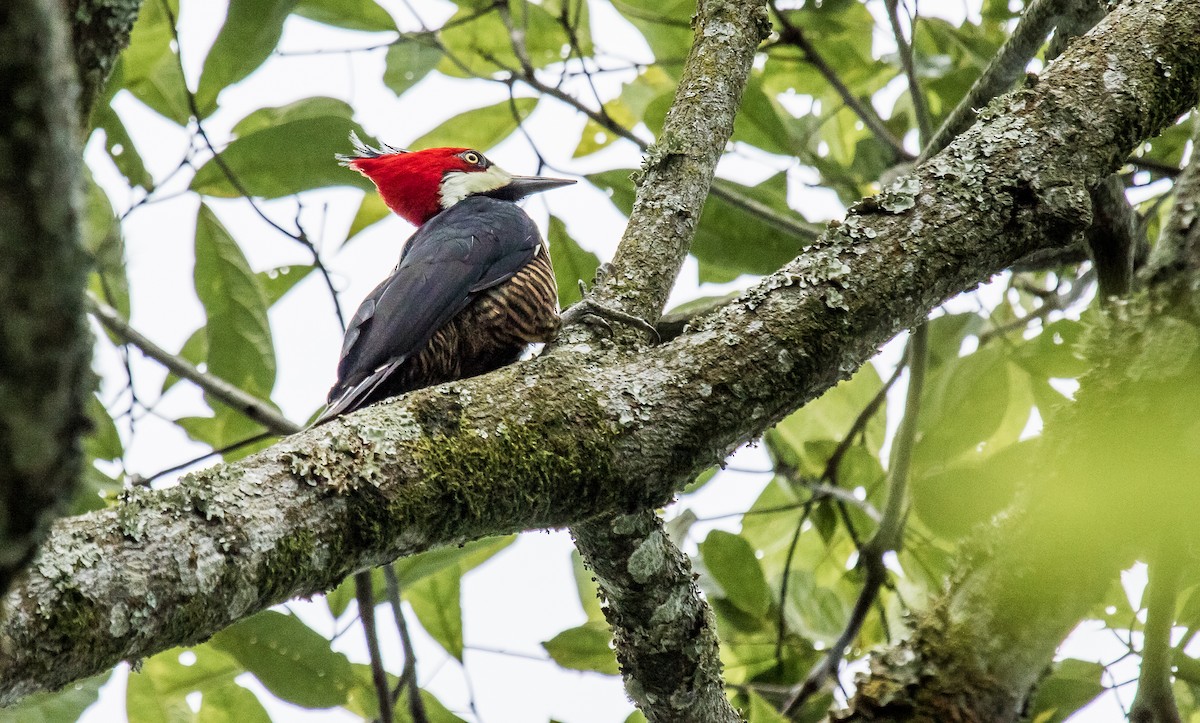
[[417, 185]]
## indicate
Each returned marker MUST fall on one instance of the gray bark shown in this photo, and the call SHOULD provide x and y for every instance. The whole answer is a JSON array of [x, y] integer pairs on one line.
[[44, 343], [664, 631], [587, 429], [100, 31]]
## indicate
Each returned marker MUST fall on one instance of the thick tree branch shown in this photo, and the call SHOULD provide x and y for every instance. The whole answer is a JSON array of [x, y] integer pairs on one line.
[[45, 346], [665, 633], [587, 429], [678, 170]]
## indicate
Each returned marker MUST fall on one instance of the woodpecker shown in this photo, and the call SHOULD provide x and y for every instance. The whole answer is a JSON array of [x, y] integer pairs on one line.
[[472, 290]]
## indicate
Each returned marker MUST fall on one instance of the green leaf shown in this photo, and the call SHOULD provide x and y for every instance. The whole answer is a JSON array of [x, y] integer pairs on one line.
[[251, 31], [102, 441], [364, 701], [1052, 353], [816, 611], [720, 244], [666, 27], [954, 499], [762, 712], [278, 281], [149, 67], [589, 591], [408, 61], [231, 704], [481, 128], [830, 417], [1071, 685], [587, 647], [338, 599], [371, 210], [437, 604], [120, 146], [626, 110], [240, 349], [759, 120], [572, 263], [158, 693], [63, 706], [290, 659], [946, 336], [364, 15], [479, 44], [413, 569], [315, 107], [104, 243], [283, 160], [964, 405], [195, 350], [731, 563]]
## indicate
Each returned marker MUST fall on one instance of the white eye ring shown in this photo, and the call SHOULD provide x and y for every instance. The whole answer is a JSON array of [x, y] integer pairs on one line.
[[472, 157]]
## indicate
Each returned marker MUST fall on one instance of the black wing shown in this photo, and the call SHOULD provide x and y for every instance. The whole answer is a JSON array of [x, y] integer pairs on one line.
[[472, 246]]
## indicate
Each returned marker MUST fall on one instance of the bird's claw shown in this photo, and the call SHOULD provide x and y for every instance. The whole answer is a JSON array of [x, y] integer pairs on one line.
[[593, 312]]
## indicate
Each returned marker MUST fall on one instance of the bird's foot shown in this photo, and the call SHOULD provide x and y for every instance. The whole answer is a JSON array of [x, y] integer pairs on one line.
[[592, 312]]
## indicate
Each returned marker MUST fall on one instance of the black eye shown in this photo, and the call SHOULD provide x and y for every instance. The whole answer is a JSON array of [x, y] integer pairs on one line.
[[474, 158]]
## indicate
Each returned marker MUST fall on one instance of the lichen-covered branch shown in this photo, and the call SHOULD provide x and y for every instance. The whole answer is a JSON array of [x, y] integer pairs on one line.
[[678, 170], [665, 634], [44, 343], [100, 31], [589, 429], [663, 629]]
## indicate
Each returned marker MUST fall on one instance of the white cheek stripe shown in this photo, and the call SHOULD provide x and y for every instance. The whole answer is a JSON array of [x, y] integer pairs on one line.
[[457, 185]]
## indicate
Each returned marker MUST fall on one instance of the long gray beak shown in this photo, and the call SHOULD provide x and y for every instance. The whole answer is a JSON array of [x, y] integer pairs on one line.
[[522, 186]]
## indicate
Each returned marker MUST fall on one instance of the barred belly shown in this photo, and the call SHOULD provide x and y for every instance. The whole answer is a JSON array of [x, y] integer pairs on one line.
[[493, 331]]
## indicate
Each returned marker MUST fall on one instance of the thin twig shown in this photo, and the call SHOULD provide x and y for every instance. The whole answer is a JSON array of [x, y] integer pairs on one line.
[[920, 109], [365, 594], [791, 34], [1055, 302], [300, 237], [140, 481], [221, 390], [868, 412], [408, 678], [889, 534], [781, 621]]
